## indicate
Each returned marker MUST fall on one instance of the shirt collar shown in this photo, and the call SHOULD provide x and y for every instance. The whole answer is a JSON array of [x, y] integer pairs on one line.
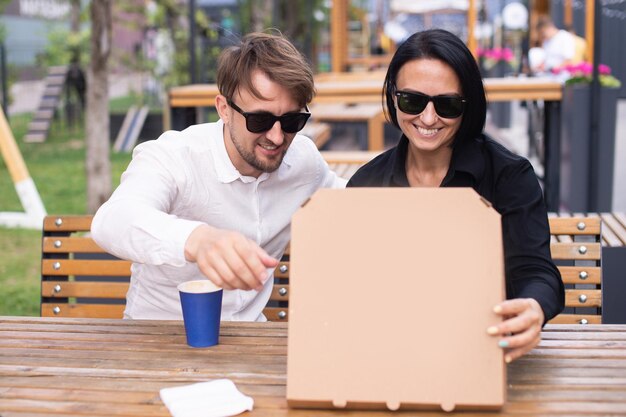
[[226, 170], [397, 176], [467, 157]]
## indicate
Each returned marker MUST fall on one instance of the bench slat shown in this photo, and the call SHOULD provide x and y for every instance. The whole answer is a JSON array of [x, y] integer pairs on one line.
[[604, 239], [567, 251], [106, 311], [564, 226], [280, 293], [72, 244], [69, 223], [572, 274], [275, 313], [594, 298], [58, 267], [282, 265], [621, 218], [564, 238], [89, 289], [576, 319], [617, 231]]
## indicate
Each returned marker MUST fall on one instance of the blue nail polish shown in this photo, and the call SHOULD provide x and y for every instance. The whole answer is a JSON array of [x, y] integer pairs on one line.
[[503, 344]]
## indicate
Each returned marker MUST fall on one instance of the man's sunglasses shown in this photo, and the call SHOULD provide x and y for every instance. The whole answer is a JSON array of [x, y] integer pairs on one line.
[[449, 107], [259, 122]]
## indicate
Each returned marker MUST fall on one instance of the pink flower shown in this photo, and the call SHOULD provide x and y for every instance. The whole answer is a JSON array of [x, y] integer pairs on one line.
[[582, 73], [496, 54], [582, 69], [586, 68], [604, 69]]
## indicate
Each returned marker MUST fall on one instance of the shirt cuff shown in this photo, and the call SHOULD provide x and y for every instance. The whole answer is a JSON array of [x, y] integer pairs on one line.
[[179, 232], [546, 298]]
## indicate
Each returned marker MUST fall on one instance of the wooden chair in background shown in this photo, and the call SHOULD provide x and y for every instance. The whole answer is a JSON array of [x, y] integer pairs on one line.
[[577, 251], [80, 279]]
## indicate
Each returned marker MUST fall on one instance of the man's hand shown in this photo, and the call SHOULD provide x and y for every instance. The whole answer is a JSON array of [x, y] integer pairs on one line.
[[520, 332], [229, 259]]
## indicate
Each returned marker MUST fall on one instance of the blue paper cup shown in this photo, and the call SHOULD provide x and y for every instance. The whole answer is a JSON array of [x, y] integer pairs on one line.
[[201, 301]]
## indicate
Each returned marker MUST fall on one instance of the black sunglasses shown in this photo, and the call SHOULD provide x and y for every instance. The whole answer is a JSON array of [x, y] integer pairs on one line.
[[449, 107], [259, 122]]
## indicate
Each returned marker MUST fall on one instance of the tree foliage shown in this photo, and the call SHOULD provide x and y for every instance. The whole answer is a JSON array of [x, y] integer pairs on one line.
[[172, 17], [3, 4], [63, 45], [302, 21]]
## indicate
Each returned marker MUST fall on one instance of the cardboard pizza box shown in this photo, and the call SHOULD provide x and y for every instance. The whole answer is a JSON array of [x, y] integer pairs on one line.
[[391, 293]]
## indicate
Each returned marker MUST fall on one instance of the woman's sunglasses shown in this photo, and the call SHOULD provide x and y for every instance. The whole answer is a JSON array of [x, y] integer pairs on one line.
[[449, 107], [259, 122]]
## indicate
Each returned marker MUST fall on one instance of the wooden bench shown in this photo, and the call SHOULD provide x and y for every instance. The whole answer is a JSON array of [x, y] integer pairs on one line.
[[80, 279], [577, 250], [575, 247], [613, 241]]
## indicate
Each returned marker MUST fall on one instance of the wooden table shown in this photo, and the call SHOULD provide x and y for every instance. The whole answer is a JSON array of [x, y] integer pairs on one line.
[[92, 367], [355, 88], [360, 89], [370, 113]]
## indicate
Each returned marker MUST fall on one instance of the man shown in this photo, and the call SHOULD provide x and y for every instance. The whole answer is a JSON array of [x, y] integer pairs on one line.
[[558, 47], [216, 199]]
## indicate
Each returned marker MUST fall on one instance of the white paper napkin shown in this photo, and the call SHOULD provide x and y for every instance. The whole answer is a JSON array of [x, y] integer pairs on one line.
[[218, 398]]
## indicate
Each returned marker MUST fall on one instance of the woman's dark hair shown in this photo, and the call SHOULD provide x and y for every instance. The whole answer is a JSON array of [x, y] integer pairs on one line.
[[444, 46]]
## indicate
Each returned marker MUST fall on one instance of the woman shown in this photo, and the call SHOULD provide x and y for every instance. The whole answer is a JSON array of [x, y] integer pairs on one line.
[[435, 95]]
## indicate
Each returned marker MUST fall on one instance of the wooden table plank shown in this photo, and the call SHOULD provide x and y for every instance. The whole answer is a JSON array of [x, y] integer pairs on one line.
[[51, 366]]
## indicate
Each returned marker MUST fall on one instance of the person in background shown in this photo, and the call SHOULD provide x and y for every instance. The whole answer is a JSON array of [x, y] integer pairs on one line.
[[215, 200], [558, 47], [435, 96]]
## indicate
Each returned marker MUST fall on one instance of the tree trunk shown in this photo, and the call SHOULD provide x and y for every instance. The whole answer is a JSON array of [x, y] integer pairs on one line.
[[75, 16], [97, 162], [261, 14]]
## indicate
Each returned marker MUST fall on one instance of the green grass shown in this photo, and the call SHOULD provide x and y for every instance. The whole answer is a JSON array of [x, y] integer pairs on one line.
[[57, 167], [19, 272], [122, 104]]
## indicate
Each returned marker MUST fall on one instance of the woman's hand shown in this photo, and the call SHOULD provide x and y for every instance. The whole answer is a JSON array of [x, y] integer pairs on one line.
[[520, 332]]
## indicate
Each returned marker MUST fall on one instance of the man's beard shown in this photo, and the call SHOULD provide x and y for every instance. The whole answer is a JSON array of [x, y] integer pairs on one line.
[[269, 165]]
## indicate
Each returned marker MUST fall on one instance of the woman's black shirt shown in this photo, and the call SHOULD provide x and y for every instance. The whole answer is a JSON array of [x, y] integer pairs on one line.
[[509, 182]]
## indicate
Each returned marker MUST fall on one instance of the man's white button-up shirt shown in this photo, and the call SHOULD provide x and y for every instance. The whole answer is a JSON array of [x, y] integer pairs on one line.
[[185, 179]]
